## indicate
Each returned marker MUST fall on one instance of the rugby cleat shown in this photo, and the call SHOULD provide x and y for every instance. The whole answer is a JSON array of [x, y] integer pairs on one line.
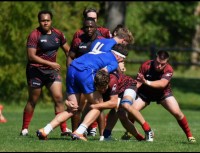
[[24, 132], [126, 136], [191, 139], [76, 136], [149, 135], [68, 132], [41, 135], [92, 132]]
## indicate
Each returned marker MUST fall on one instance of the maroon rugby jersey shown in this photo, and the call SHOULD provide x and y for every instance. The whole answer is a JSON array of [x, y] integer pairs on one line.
[[149, 72], [103, 31], [46, 44], [81, 45], [119, 82]]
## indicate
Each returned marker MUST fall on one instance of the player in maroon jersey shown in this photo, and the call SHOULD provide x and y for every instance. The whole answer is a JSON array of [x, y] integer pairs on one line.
[[120, 95], [93, 13], [154, 86], [2, 118], [80, 46], [42, 68], [100, 31]]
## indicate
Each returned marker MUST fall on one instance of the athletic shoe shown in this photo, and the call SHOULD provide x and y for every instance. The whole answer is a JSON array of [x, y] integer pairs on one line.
[[85, 134], [101, 138], [3, 120], [149, 136], [110, 138], [68, 132], [24, 132], [41, 135], [76, 136], [192, 139], [126, 136], [92, 132]]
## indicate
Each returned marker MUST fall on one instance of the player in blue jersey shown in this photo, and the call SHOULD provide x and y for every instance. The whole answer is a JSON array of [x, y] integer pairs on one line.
[[80, 80]]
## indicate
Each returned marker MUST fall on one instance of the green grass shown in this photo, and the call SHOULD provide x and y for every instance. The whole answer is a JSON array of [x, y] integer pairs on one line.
[[168, 135]]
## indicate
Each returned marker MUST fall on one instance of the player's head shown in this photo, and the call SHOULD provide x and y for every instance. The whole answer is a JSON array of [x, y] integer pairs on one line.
[[161, 60], [123, 33], [90, 12], [120, 52], [101, 81], [119, 26], [45, 19], [89, 26]]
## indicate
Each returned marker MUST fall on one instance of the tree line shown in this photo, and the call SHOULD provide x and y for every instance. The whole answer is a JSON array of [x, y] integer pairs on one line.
[[160, 23]]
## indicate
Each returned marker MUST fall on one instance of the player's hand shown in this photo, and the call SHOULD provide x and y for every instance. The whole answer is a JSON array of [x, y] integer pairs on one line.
[[55, 66], [140, 77], [71, 105]]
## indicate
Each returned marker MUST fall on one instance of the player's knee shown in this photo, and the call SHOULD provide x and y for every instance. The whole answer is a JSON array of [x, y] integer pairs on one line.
[[125, 103]]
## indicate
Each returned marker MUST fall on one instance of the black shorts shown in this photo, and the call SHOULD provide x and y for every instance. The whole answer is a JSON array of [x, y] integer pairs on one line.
[[157, 99], [36, 77]]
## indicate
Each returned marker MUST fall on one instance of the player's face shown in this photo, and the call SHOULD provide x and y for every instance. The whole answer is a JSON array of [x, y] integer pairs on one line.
[[102, 89], [45, 22], [160, 64], [90, 28], [92, 15]]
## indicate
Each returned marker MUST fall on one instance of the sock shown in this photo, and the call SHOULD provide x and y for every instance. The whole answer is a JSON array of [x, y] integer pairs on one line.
[[81, 129], [146, 127], [106, 133], [47, 129], [184, 125], [94, 125], [26, 119], [139, 137], [63, 125]]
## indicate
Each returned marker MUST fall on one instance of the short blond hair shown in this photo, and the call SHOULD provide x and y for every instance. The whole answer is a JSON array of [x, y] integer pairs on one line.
[[124, 33]]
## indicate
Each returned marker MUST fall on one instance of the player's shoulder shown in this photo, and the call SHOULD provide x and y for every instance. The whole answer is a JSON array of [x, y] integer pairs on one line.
[[147, 62], [105, 32], [169, 68], [56, 30]]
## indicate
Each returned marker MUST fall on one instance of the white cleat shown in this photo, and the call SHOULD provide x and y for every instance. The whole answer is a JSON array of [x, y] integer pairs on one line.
[[149, 136]]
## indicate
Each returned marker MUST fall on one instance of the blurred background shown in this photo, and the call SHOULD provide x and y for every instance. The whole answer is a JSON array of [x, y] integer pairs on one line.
[[173, 26]]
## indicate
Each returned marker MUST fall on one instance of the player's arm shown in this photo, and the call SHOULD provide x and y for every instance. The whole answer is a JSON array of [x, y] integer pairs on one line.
[[162, 83], [112, 103], [66, 48], [31, 52]]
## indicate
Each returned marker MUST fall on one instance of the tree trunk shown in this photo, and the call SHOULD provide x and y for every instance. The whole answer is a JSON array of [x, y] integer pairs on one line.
[[196, 40], [115, 13]]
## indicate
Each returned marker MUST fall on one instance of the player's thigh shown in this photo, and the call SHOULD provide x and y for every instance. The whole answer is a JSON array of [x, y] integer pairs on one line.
[[56, 90]]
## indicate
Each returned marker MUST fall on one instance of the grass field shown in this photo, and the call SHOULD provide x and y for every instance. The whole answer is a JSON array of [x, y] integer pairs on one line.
[[169, 137]]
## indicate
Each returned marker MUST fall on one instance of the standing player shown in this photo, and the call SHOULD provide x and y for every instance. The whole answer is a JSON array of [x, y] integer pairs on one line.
[[42, 68], [2, 118], [154, 85]]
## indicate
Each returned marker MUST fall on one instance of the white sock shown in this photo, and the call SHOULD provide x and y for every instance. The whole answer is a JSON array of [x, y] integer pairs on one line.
[[48, 128], [81, 129]]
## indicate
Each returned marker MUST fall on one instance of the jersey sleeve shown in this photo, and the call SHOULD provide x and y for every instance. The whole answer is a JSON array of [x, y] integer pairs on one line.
[[32, 40], [168, 72], [113, 85]]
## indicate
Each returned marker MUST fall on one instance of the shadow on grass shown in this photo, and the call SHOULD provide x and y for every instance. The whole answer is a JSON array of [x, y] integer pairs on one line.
[[187, 85]]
